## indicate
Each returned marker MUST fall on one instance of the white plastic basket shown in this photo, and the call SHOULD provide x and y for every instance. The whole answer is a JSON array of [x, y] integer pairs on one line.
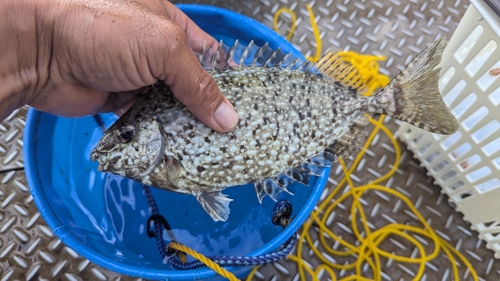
[[467, 164]]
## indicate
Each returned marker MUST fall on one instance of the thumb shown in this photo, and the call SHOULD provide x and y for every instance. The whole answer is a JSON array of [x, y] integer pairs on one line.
[[195, 87]]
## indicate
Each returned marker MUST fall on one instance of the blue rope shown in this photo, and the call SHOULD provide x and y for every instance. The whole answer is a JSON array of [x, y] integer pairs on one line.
[[158, 233], [281, 216], [239, 260]]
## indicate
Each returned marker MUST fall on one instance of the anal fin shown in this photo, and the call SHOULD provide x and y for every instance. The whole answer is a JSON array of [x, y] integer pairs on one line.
[[215, 204], [322, 160], [300, 175], [271, 187], [353, 140], [311, 169], [284, 180]]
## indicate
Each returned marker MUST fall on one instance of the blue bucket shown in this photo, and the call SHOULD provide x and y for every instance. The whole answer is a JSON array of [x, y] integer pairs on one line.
[[103, 217]]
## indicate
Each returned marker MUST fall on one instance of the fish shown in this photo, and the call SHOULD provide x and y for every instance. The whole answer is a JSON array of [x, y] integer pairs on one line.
[[294, 119]]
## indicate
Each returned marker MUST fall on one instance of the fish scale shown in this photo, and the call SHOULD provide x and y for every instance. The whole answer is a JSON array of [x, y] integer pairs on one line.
[[278, 132], [265, 136], [292, 120]]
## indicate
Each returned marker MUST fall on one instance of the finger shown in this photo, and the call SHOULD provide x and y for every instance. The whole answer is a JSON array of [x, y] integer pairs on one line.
[[195, 88], [120, 110], [83, 100], [190, 83], [196, 37], [121, 102]]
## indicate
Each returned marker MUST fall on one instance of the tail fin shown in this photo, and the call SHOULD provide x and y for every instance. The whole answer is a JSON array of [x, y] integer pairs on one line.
[[415, 93]]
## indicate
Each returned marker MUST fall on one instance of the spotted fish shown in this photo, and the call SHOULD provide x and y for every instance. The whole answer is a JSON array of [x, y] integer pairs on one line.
[[294, 119]]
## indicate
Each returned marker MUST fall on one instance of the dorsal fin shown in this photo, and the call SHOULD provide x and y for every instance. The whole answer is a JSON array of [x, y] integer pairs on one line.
[[239, 55], [332, 65], [246, 53], [206, 55], [259, 54]]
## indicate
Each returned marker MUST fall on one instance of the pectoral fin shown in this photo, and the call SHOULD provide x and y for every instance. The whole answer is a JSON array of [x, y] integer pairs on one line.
[[215, 204]]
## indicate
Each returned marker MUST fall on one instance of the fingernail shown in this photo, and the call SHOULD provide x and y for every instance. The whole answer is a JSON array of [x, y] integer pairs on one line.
[[225, 116]]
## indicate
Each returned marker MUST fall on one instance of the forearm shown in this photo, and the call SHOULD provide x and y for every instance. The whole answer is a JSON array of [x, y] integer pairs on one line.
[[24, 53]]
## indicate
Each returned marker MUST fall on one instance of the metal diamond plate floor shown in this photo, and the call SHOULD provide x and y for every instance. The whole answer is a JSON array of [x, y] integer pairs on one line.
[[395, 29]]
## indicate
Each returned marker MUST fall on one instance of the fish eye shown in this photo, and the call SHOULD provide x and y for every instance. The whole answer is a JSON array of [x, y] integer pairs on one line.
[[126, 135], [126, 132]]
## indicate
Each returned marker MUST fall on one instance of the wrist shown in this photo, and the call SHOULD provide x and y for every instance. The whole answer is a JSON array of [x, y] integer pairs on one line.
[[25, 39]]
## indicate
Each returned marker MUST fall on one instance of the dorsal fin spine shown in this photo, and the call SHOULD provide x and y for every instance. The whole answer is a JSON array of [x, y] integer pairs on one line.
[[239, 55], [258, 54], [282, 60], [245, 53], [231, 52], [308, 66], [214, 57], [293, 63], [227, 59], [266, 64]]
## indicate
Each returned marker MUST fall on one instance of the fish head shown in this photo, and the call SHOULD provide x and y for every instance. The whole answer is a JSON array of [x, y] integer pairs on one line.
[[131, 147]]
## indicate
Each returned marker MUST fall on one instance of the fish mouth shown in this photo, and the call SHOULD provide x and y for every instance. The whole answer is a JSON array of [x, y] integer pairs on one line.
[[95, 155], [100, 157]]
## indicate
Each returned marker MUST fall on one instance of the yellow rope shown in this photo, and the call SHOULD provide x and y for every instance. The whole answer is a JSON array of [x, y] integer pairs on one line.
[[367, 66], [314, 26], [208, 262], [367, 251], [252, 273], [317, 37], [294, 20]]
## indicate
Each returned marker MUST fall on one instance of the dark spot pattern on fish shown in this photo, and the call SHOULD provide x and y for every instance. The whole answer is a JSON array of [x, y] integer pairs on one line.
[[269, 137], [286, 116]]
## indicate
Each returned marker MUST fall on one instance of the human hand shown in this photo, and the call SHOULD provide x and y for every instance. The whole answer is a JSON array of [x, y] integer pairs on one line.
[[75, 58]]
